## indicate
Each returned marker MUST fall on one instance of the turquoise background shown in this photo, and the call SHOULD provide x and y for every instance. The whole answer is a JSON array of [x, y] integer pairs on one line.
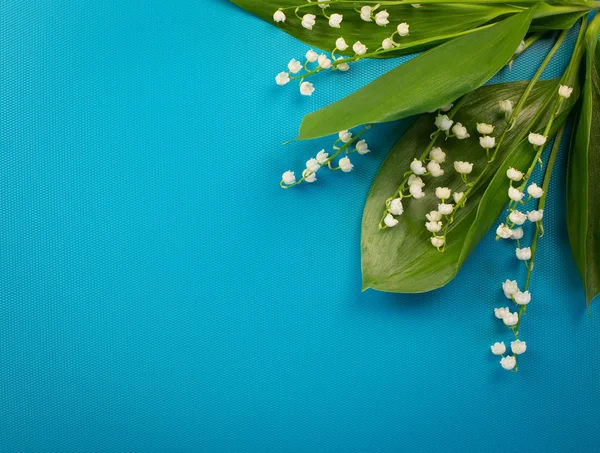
[[160, 292]]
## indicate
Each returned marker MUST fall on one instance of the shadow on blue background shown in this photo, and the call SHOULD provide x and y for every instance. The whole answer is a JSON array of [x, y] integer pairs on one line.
[[160, 292]]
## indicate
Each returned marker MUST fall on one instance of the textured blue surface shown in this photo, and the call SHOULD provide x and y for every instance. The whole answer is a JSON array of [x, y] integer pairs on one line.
[[160, 292]]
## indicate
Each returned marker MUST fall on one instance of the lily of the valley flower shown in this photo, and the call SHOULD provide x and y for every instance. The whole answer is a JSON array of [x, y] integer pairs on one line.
[[309, 176], [312, 56], [359, 48], [307, 89], [506, 106], [433, 227], [498, 348], [510, 288], [518, 347], [535, 216], [535, 191], [503, 231], [362, 147], [313, 165], [417, 167], [335, 20], [508, 362], [514, 175], [443, 123], [414, 180], [366, 12], [515, 194], [387, 44], [523, 254], [322, 157], [308, 21], [437, 155], [522, 298], [445, 208], [511, 319], [294, 66], [517, 217], [458, 196], [464, 168], [484, 128], [437, 242], [564, 91], [279, 16], [342, 66], [403, 29], [443, 193], [283, 78], [390, 221], [324, 62], [288, 178], [434, 216], [460, 131], [396, 207], [487, 142], [517, 233], [537, 139], [341, 44], [434, 169], [501, 312], [416, 191], [381, 18], [345, 164], [345, 136]]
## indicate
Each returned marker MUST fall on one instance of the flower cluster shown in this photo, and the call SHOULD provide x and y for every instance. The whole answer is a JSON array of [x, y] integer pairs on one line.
[[348, 144], [430, 164], [315, 63]]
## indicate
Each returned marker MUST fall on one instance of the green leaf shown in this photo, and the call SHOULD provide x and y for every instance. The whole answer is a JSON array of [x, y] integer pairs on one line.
[[557, 17], [583, 173], [430, 25], [402, 259], [434, 78]]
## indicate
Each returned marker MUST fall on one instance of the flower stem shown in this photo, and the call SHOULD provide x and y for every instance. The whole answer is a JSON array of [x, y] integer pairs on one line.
[[517, 110]]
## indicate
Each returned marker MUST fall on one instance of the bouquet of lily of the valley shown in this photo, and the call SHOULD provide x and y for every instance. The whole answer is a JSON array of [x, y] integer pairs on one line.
[[469, 157]]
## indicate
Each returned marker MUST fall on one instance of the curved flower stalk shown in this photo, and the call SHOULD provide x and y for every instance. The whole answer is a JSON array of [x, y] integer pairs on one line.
[[346, 143]]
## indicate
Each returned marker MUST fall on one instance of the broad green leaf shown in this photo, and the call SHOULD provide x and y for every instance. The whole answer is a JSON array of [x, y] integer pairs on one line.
[[430, 25], [557, 17], [402, 259], [434, 78], [583, 173]]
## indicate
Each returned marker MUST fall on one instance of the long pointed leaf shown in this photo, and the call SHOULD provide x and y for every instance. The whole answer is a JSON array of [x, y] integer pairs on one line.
[[583, 173], [437, 77], [401, 259]]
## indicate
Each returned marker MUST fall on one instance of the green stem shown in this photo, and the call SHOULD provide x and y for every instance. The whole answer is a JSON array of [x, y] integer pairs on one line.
[[517, 110], [539, 229]]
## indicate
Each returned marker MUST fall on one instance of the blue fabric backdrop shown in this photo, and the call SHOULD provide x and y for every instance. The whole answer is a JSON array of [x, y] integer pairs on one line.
[[160, 292]]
